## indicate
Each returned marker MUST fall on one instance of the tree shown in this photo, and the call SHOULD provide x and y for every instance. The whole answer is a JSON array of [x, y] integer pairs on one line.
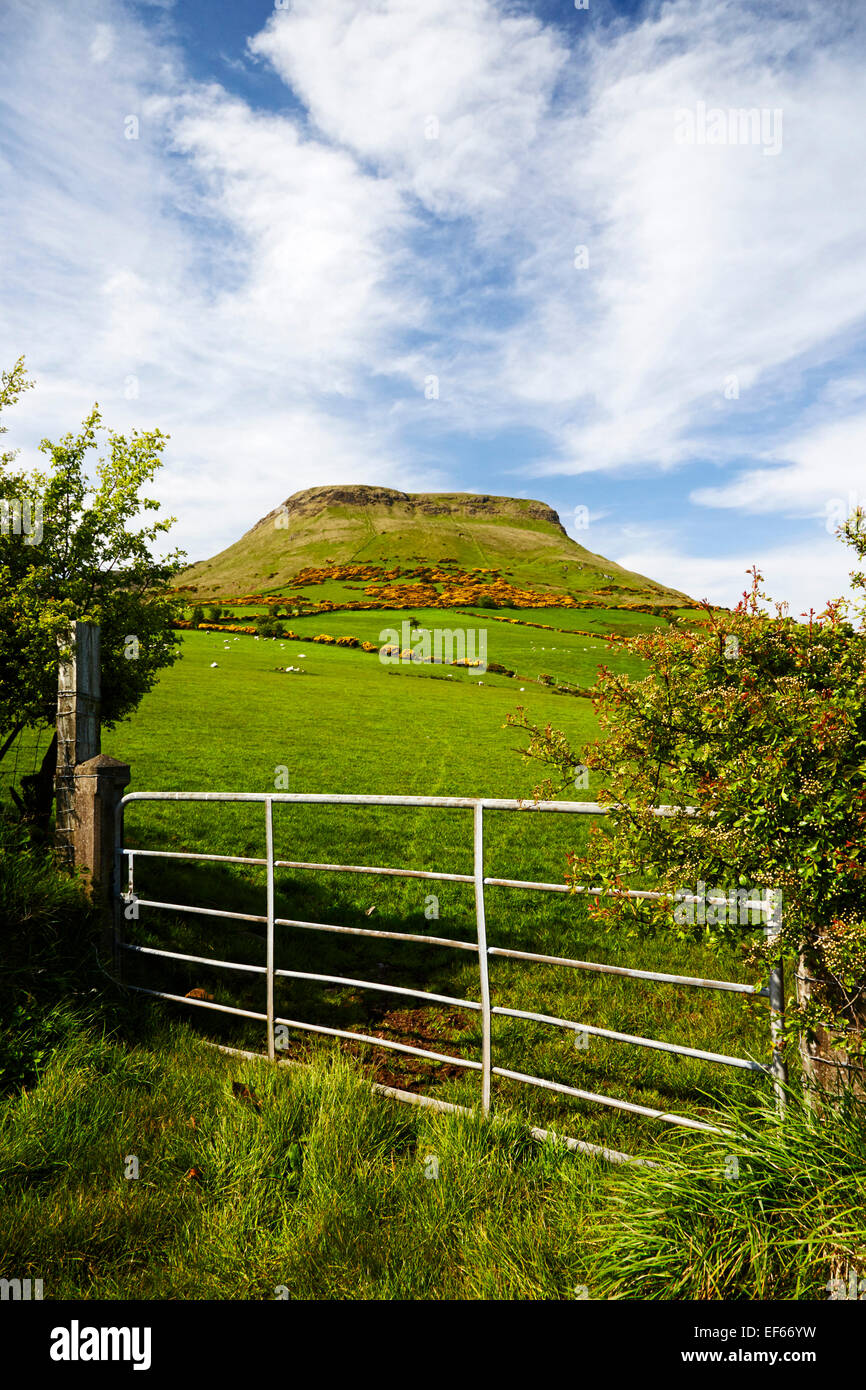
[[759, 722], [266, 626], [82, 551]]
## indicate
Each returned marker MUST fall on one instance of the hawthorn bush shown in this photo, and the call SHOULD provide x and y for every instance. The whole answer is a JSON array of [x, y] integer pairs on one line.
[[92, 556], [758, 721]]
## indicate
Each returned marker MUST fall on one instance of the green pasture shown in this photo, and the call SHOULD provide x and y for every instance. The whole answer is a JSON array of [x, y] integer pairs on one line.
[[257, 1181], [350, 724], [568, 656]]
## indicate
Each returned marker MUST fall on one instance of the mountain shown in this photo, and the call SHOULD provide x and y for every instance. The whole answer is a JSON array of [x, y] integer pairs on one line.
[[383, 537]]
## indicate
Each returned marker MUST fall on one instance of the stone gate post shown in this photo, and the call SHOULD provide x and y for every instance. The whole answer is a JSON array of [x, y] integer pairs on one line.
[[99, 785], [88, 783], [78, 733]]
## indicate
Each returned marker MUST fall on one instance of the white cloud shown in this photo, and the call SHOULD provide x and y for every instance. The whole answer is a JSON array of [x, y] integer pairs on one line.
[[315, 287], [805, 574], [280, 285], [102, 43], [223, 276], [374, 74], [822, 468], [705, 263]]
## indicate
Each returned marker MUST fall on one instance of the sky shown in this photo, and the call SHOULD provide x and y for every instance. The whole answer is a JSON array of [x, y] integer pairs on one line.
[[529, 249]]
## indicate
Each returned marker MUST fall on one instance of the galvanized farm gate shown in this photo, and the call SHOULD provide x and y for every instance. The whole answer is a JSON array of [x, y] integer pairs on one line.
[[768, 905]]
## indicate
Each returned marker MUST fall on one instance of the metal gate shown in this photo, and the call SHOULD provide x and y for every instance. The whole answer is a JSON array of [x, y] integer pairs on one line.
[[768, 905]]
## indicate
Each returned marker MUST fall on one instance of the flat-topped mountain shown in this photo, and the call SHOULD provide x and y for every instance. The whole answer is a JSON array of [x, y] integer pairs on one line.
[[313, 500], [520, 541]]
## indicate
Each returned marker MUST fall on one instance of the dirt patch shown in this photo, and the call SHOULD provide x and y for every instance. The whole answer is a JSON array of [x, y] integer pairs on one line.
[[438, 1029]]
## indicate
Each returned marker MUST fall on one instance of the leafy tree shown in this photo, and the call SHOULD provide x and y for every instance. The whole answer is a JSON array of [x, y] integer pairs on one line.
[[197, 615], [87, 555], [759, 722]]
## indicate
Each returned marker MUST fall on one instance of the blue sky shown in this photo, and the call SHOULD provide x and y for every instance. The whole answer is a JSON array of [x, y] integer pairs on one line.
[[343, 244]]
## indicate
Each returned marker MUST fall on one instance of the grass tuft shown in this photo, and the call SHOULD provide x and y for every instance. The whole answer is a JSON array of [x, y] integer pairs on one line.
[[769, 1213]]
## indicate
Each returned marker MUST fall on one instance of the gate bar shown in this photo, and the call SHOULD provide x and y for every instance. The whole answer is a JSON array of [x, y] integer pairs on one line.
[[483, 972], [391, 935], [612, 1101], [587, 808], [387, 989], [626, 970], [194, 960], [466, 1062], [746, 1063], [751, 903], [776, 990], [269, 843], [313, 926]]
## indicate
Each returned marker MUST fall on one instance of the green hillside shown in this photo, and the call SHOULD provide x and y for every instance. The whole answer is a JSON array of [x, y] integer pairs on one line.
[[441, 543]]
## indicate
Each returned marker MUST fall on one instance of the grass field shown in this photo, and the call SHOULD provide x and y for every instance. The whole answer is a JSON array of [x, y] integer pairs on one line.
[[351, 725], [305, 1182]]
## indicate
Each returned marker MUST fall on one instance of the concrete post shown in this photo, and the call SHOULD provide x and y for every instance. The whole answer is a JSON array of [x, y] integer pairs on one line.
[[78, 696]]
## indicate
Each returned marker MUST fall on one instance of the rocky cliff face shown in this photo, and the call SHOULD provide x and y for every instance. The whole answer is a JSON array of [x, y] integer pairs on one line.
[[314, 500]]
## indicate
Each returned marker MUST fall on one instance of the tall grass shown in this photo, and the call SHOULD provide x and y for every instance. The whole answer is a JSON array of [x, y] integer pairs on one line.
[[767, 1212], [50, 977], [307, 1184]]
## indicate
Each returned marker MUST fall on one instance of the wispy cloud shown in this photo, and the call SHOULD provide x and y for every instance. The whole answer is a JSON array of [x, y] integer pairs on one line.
[[278, 288], [804, 573], [822, 469]]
